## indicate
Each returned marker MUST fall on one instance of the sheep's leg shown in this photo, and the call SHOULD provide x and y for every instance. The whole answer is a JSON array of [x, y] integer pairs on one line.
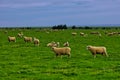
[[69, 55], [56, 55], [94, 55], [106, 54]]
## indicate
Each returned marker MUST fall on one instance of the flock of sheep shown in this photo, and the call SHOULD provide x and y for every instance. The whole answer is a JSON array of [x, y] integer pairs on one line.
[[97, 33], [26, 39], [65, 50]]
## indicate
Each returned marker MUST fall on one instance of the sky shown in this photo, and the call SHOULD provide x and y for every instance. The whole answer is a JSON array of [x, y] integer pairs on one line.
[[21, 13]]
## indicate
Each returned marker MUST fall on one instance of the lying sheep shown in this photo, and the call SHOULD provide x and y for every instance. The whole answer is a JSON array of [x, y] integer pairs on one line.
[[66, 44], [97, 50], [62, 51], [53, 44], [27, 39], [11, 39], [36, 41]]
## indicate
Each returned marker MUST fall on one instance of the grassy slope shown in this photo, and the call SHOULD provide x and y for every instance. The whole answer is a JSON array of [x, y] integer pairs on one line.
[[24, 61]]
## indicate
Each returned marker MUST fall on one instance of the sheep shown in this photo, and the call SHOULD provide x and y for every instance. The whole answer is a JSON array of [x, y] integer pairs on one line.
[[27, 39], [11, 38], [83, 34], [97, 50], [53, 44], [110, 33], [66, 44], [36, 41], [62, 51], [20, 35], [74, 33], [94, 33]]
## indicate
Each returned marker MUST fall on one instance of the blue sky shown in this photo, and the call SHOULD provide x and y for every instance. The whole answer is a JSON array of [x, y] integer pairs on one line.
[[16, 13]]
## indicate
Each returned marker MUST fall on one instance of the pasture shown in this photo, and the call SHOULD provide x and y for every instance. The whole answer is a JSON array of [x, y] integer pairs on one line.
[[24, 61]]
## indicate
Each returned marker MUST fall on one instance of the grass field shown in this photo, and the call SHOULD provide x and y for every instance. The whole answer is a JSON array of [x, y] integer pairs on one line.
[[24, 61]]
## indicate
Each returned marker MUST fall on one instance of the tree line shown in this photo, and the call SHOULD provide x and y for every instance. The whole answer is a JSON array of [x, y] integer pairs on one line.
[[65, 27]]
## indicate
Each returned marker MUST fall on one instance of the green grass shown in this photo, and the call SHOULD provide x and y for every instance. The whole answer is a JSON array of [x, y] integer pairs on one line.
[[24, 61]]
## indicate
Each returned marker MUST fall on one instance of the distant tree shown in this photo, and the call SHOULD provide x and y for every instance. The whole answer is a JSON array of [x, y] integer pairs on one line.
[[74, 27], [65, 26], [87, 27], [60, 27], [81, 27]]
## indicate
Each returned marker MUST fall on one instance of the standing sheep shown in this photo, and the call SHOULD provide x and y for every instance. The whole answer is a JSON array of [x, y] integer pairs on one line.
[[62, 51], [11, 38], [27, 39], [97, 50], [36, 41]]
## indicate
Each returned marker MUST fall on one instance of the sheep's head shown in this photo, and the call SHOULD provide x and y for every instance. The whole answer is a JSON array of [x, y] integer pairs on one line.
[[88, 47], [34, 38], [53, 48]]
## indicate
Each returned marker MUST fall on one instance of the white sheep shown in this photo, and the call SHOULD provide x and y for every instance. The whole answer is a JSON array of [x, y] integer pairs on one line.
[[96, 33], [97, 50], [66, 44], [83, 34], [36, 41], [11, 38], [27, 39], [53, 44], [74, 33], [20, 34], [62, 51]]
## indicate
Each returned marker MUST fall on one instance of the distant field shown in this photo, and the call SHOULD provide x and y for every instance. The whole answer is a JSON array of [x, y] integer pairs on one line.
[[24, 61]]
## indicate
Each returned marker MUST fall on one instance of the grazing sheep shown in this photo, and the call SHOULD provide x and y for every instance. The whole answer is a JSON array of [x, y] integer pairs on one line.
[[61, 51], [83, 34], [74, 33], [53, 44], [97, 50], [11, 38], [36, 41], [20, 35], [94, 33], [110, 33], [66, 44], [27, 39]]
